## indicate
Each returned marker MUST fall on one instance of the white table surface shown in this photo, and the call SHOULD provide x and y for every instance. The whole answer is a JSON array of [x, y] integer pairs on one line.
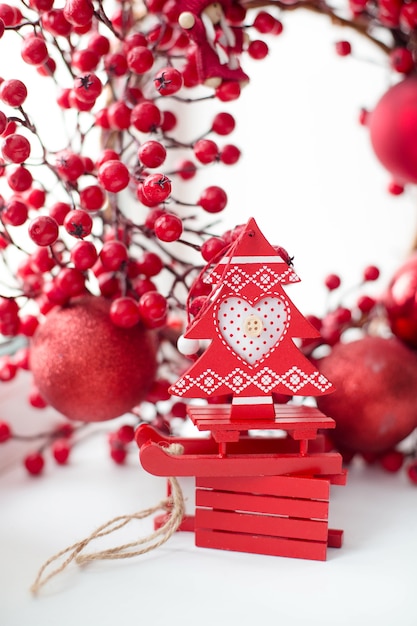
[[371, 580]]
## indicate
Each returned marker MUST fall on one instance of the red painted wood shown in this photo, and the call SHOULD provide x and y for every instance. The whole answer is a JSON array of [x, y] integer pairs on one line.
[[284, 486], [335, 538], [187, 524], [273, 546], [300, 422], [289, 507], [159, 462], [283, 411], [254, 524], [247, 444], [338, 479]]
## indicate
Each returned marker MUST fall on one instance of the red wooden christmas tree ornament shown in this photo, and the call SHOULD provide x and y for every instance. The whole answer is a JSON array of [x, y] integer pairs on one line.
[[263, 494]]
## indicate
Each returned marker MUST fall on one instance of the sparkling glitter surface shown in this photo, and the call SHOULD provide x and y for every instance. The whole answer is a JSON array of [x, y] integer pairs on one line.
[[374, 404], [86, 367]]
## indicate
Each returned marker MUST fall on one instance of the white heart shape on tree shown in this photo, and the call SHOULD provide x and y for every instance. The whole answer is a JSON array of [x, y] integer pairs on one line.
[[252, 331]]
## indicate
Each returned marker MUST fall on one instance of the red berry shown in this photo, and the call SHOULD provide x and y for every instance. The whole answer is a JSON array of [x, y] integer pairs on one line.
[[48, 68], [395, 189], [87, 87], [213, 199], [63, 98], [78, 223], [107, 155], [229, 154], [34, 50], [169, 121], [10, 128], [392, 461], [98, 43], [371, 273], [152, 153], [146, 117], [186, 169], [92, 198], [35, 399], [168, 227], [134, 40], [118, 115], [412, 471], [78, 12], [16, 148], [61, 450], [196, 305], [85, 60], [58, 211], [140, 59], [365, 304], [70, 166], [10, 15], [13, 92], [19, 178], [115, 64], [44, 230], [179, 409], [150, 264], [332, 282], [118, 454], [9, 310], [34, 463], [125, 434], [71, 282], [3, 122], [113, 255], [363, 117], [228, 91], [159, 391], [15, 212], [35, 197], [156, 187], [206, 151], [212, 247], [223, 124], [258, 49], [108, 284], [143, 285], [401, 60], [153, 308], [408, 16], [343, 48], [124, 312], [168, 81], [113, 176], [27, 327], [5, 432], [84, 255], [41, 260], [265, 23]]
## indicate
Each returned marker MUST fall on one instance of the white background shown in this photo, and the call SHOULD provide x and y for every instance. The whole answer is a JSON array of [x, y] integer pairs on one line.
[[309, 177]]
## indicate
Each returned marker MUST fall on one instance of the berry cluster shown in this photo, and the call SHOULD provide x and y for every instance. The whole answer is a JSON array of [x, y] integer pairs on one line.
[[99, 214]]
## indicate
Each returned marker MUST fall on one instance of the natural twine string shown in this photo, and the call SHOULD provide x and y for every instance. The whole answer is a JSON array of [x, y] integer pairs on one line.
[[174, 504]]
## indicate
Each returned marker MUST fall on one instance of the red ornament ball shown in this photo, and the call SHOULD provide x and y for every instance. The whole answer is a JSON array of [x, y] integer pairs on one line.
[[88, 368], [374, 404], [400, 300], [393, 130]]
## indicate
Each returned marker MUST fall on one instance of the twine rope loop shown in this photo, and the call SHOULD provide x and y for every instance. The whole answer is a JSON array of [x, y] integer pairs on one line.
[[174, 505]]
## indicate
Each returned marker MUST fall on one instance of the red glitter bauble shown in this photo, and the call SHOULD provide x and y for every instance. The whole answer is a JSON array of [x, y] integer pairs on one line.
[[393, 130], [400, 300], [86, 367], [374, 404]]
